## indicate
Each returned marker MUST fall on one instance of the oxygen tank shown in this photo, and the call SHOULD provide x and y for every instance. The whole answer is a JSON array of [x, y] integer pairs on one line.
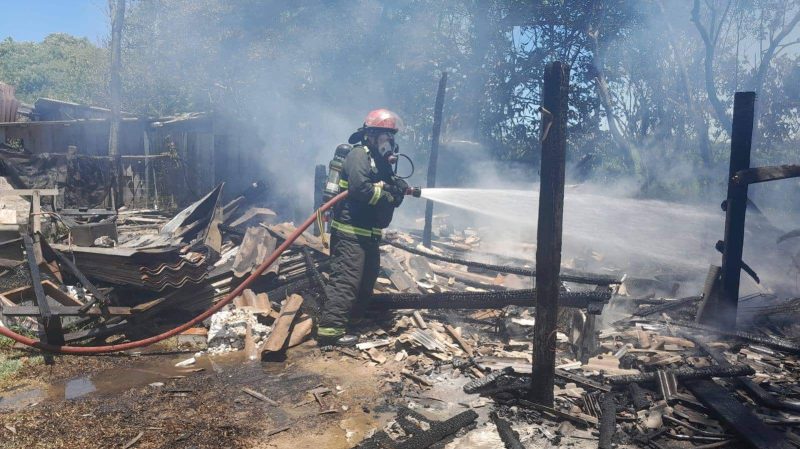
[[335, 172]]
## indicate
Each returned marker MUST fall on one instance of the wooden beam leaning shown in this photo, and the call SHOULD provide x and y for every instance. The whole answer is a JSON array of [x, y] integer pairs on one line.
[[99, 297], [434, 156], [50, 330], [548, 239]]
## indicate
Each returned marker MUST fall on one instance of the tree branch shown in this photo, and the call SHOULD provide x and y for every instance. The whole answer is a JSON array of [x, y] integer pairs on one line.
[[711, 88], [758, 78]]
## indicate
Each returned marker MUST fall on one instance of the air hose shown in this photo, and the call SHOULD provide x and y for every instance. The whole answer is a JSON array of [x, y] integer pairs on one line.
[[84, 350]]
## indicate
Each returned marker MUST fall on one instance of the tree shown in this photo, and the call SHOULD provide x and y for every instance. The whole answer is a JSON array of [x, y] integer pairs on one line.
[[61, 66]]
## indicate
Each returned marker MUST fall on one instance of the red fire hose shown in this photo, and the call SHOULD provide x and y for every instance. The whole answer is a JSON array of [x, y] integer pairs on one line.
[[156, 338]]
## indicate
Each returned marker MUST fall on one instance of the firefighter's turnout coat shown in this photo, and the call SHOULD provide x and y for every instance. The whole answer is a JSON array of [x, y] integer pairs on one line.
[[355, 235]]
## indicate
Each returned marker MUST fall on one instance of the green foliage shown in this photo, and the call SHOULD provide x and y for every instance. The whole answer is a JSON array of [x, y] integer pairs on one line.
[[306, 72], [61, 66]]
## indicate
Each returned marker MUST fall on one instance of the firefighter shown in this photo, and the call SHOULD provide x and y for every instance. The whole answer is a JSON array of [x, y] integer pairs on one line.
[[374, 193]]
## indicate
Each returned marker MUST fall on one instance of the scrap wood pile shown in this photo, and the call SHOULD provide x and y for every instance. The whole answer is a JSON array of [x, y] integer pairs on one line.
[[109, 276], [651, 380], [654, 378]]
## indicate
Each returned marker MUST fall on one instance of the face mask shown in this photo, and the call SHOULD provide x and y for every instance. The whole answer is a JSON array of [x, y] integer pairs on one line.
[[388, 148]]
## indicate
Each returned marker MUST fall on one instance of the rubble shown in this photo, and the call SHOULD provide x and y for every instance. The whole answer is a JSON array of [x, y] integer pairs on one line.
[[453, 342], [229, 327]]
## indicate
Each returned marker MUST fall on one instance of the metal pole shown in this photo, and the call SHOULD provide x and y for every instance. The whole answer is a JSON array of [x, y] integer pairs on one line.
[[115, 87], [437, 129], [548, 238]]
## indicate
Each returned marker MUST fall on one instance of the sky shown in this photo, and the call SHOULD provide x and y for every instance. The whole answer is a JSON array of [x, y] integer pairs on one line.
[[33, 20]]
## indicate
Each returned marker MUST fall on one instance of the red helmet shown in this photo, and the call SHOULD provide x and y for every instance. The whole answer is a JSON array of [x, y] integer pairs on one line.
[[382, 119]]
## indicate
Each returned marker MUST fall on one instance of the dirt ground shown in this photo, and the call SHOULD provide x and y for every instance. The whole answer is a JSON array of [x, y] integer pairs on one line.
[[110, 401]]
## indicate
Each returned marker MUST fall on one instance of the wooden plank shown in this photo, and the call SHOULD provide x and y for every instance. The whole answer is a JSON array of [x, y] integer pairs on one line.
[[461, 342], [736, 416], [549, 230], [26, 293], [278, 338]]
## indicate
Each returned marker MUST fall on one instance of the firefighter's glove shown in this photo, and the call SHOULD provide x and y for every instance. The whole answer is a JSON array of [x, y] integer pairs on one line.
[[400, 184], [398, 199], [397, 190], [391, 197]]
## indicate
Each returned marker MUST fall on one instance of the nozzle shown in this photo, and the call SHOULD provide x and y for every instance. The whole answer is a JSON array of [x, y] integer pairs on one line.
[[414, 191]]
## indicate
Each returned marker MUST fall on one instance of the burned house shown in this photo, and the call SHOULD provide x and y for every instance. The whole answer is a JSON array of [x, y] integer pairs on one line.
[[167, 162]]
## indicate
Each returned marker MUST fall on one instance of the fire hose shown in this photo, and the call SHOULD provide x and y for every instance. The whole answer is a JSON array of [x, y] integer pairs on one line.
[[84, 350]]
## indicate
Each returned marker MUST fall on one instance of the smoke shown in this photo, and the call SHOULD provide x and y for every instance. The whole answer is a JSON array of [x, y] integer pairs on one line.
[[306, 74]]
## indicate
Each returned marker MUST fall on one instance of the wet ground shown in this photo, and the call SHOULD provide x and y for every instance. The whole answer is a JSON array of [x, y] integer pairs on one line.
[[110, 401]]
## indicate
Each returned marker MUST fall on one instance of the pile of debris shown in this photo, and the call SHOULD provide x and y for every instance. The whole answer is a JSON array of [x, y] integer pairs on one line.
[[451, 335]]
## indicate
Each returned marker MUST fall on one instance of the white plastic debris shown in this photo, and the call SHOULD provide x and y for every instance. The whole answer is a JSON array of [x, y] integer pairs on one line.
[[188, 362], [229, 327]]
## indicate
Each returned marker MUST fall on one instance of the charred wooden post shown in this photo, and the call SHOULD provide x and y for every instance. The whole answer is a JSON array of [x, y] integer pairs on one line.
[[736, 206], [434, 156], [548, 238], [115, 87]]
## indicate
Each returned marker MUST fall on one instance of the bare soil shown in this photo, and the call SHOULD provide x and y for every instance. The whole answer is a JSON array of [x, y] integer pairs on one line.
[[108, 401]]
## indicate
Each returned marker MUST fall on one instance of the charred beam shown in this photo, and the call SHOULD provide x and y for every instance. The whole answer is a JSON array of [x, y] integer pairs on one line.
[[434, 156], [566, 275], [764, 174], [770, 342], [667, 306], [484, 300], [760, 395], [509, 437], [736, 416], [549, 230], [608, 421], [439, 431], [638, 397], [736, 206], [490, 379], [682, 374]]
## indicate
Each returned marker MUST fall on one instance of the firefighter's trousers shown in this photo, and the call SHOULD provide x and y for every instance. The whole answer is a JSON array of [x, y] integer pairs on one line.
[[352, 277]]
